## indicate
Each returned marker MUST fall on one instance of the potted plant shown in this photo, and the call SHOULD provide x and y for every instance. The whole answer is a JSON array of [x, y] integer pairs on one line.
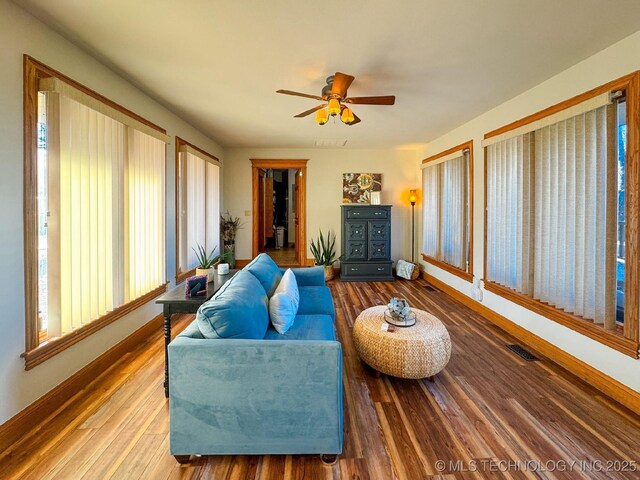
[[324, 252], [206, 261], [229, 226]]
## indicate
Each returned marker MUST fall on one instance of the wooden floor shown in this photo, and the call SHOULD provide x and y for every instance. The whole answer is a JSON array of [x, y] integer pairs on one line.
[[283, 256], [487, 404]]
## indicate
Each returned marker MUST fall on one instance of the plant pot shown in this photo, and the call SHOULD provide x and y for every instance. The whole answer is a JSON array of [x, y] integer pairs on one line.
[[328, 272], [229, 254], [209, 272]]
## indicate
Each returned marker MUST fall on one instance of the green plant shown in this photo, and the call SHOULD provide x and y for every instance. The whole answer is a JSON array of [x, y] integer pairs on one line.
[[205, 260], [229, 225], [323, 249]]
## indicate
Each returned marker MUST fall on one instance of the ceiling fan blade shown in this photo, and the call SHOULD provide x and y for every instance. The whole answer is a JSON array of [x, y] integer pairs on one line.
[[383, 100], [341, 83], [356, 119], [310, 111], [298, 94]]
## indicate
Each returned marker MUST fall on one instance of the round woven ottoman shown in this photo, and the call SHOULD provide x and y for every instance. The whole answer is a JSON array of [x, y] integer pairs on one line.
[[419, 351]]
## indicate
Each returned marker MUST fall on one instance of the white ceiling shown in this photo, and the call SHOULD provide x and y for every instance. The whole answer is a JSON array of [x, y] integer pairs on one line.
[[218, 64]]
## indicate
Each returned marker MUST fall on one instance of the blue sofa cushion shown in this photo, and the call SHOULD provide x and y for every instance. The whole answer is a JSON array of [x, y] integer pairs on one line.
[[316, 300], [306, 327], [265, 270], [238, 310]]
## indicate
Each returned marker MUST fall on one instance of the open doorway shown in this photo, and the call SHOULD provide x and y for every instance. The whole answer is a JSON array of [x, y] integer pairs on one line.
[[279, 210]]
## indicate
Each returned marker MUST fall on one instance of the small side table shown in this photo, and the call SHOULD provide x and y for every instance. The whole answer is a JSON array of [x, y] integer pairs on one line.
[[419, 351], [176, 301]]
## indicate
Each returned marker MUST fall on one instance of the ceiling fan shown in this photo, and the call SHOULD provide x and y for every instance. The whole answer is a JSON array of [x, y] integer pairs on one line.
[[334, 93]]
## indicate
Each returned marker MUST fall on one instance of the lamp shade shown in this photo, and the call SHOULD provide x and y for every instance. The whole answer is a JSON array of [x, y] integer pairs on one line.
[[321, 116], [334, 106], [347, 115], [413, 196]]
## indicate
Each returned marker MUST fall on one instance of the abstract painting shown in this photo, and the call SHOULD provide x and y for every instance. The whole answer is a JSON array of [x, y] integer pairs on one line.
[[357, 187]]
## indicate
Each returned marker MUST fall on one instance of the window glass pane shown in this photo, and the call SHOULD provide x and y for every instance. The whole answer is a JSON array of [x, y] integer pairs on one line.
[[42, 204], [620, 251]]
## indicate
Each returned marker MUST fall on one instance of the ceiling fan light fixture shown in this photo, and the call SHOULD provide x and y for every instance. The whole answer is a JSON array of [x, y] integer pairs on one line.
[[347, 115], [321, 116], [334, 107]]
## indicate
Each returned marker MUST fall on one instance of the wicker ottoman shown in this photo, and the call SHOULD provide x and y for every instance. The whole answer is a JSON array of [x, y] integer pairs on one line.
[[419, 351]]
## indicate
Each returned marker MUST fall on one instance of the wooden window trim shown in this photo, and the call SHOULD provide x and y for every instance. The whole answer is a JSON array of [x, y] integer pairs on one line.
[[35, 352], [56, 345], [626, 341], [182, 276], [465, 275]]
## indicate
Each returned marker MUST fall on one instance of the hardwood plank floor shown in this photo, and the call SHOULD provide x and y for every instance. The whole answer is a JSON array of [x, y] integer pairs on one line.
[[487, 408]]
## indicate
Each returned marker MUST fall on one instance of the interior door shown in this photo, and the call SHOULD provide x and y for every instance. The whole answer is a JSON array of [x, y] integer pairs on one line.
[[261, 233]]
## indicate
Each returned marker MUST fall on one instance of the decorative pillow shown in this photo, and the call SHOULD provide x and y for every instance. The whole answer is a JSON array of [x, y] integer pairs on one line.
[[238, 310], [265, 270], [283, 305]]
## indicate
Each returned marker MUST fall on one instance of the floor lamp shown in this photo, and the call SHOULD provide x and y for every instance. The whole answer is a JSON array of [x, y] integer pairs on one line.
[[412, 199]]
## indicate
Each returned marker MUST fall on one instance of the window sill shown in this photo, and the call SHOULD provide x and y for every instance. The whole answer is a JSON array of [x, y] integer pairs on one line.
[[468, 276], [182, 276], [56, 345], [611, 338]]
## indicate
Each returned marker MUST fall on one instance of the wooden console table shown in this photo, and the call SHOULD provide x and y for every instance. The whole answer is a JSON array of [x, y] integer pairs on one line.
[[176, 301]]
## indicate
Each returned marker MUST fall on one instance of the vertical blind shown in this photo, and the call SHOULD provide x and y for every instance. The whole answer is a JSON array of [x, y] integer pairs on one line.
[[105, 229], [446, 210], [199, 206], [552, 212]]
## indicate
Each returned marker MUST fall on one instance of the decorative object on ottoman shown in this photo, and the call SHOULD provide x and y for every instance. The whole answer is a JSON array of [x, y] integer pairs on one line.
[[407, 270], [229, 226], [196, 286], [223, 269], [399, 313], [417, 352], [206, 261], [324, 253], [357, 187]]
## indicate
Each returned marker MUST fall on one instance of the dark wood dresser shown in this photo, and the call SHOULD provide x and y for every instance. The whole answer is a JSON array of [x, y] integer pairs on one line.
[[366, 243]]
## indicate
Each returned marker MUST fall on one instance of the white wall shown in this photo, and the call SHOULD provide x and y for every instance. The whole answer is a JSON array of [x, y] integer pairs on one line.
[[324, 189], [19, 34], [618, 60]]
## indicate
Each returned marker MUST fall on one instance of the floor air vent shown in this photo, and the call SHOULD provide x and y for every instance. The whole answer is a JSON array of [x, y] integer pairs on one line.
[[429, 288], [522, 352]]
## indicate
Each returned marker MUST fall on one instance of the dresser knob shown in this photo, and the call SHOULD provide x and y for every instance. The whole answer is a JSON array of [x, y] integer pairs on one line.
[[380, 269], [379, 231], [357, 231]]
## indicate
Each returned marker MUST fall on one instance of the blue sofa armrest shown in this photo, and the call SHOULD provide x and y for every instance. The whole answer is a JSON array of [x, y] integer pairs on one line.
[[232, 396], [308, 277]]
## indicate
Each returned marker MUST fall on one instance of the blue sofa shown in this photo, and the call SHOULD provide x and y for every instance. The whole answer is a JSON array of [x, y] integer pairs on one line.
[[246, 389]]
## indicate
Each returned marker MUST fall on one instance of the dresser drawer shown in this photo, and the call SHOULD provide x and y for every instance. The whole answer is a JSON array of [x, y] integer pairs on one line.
[[367, 213], [378, 230], [366, 269], [378, 251], [356, 231], [356, 251]]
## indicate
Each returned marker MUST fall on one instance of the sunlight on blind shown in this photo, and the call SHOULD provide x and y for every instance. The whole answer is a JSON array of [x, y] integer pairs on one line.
[[86, 173], [105, 228], [146, 190]]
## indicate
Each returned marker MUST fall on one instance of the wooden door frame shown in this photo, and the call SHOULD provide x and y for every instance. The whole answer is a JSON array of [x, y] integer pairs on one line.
[[298, 164]]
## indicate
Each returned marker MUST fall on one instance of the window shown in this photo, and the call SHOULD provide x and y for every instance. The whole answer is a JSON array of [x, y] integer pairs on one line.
[[197, 205], [447, 193], [557, 214], [96, 248]]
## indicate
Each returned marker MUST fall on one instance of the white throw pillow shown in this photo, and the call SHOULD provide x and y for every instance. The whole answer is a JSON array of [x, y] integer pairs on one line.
[[283, 305]]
